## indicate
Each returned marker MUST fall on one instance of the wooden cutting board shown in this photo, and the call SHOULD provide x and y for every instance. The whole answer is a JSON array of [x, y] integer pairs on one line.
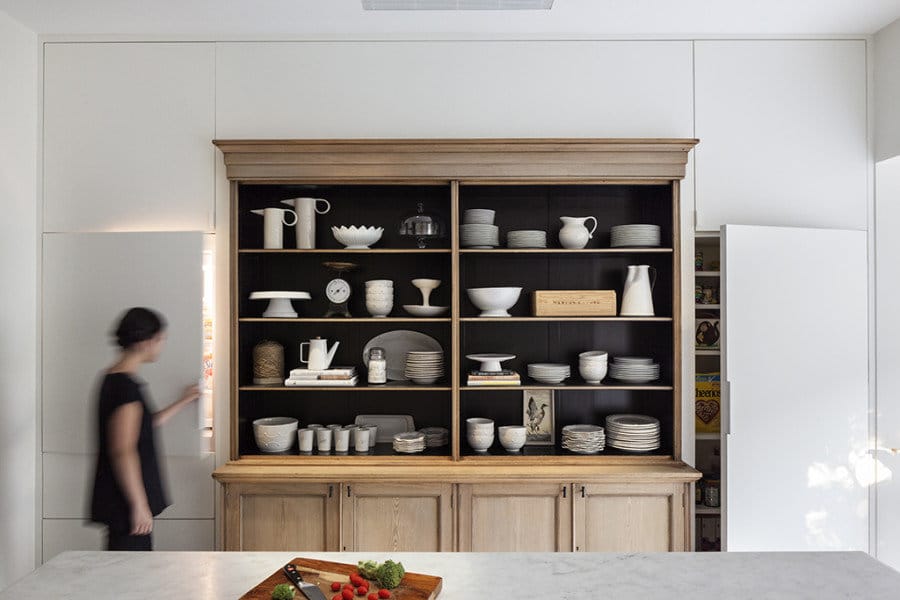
[[322, 573]]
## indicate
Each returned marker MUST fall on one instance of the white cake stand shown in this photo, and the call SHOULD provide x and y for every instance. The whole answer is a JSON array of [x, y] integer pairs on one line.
[[280, 306], [490, 362]]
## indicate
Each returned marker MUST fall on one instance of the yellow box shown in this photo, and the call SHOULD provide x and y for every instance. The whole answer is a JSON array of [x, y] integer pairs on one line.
[[708, 403]]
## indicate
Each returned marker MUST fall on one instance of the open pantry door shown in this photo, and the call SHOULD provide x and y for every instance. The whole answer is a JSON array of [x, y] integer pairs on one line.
[[795, 361]]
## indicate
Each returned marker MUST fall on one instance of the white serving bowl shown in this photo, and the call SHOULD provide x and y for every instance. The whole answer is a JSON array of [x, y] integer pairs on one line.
[[275, 434], [594, 356], [494, 301], [592, 374], [379, 309], [512, 437], [354, 237], [418, 310], [480, 442]]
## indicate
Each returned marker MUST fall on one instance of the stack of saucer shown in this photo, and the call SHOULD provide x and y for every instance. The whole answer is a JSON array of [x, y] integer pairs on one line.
[[583, 439], [435, 437], [424, 366], [633, 433], [634, 369], [526, 238], [634, 235], [549, 372], [409, 442]]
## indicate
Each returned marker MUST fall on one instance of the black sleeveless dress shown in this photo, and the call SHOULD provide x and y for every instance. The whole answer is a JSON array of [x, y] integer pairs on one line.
[[108, 503]]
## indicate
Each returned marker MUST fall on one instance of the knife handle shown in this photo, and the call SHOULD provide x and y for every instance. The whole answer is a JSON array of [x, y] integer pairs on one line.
[[290, 570]]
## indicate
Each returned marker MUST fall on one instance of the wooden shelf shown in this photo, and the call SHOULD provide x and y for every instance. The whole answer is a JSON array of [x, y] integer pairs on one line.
[[707, 273], [707, 352], [350, 320], [565, 251], [700, 509], [345, 251], [564, 319], [708, 306], [562, 386], [708, 436], [397, 386]]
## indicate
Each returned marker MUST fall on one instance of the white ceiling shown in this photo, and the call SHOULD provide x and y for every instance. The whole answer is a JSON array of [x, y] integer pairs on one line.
[[345, 18]]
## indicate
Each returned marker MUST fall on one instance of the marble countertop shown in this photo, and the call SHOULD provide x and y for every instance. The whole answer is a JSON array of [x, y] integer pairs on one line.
[[470, 576]]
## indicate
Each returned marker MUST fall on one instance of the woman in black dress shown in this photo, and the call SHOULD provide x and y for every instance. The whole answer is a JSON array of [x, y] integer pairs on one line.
[[128, 489]]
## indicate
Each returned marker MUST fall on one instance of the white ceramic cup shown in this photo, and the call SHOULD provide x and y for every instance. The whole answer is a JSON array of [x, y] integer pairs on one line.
[[512, 437], [305, 439], [341, 440], [323, 439], [373, 435], [361, 439]]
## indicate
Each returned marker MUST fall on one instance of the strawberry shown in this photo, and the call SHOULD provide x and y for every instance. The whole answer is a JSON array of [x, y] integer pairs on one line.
[[347, 594], [372, 596], [337, 597], [347, 586], [384, 593], [356, 580], [362, 590], [336, 587]]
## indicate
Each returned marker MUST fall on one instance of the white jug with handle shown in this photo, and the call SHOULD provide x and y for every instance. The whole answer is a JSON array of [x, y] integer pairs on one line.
[[273, 219], [320, 355], [574, 234], [307, 208], [637, 298]]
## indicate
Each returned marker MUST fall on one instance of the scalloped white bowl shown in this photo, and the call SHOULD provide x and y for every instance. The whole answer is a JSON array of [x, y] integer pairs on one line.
[[357, 238]]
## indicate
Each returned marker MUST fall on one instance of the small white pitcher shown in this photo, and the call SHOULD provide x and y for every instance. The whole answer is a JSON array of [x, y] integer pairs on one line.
[[637, 298], [307, 208], [273, 219], [574, 234]]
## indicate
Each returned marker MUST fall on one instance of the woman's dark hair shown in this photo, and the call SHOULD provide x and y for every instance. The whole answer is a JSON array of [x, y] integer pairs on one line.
[[137, 325]]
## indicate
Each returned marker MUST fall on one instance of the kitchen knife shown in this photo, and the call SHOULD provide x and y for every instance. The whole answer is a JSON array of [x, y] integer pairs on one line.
[[309, 590]]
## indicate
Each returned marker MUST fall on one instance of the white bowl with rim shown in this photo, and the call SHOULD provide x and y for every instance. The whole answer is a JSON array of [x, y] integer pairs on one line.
[[275, 434], [494, 301]]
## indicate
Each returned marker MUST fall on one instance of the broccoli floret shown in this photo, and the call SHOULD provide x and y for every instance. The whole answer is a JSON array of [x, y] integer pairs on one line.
[[390, 574], [283, 591], [368, 569]]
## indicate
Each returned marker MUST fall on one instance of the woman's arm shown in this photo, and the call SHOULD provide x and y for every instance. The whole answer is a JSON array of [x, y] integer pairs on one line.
[[123, 431], [191, 393]]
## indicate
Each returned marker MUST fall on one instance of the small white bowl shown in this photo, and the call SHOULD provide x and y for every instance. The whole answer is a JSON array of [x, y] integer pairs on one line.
[[275, 434], [475, 423], [480, 443], [418, 310], [512, 437], [357, 238], [494, 301], [594, 355], [478, 215], [380, 283], [592, 374]]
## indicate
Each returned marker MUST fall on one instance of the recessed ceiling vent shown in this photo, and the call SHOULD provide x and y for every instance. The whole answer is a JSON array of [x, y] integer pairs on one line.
[[457, 4]]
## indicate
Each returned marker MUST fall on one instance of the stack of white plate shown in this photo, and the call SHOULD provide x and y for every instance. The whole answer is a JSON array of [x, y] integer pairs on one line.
[[409, 442], [549, 372], [634, 235], [526, 238], [635, 433], [424, 366], [583, 439], [634, 369], [435, 437], [479, 235]]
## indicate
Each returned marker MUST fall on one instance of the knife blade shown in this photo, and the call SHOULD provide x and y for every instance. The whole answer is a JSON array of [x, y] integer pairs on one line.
[[309, 590]]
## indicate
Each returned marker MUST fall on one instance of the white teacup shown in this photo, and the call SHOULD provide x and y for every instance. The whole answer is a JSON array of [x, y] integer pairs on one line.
[[512, 437], [305, 439]]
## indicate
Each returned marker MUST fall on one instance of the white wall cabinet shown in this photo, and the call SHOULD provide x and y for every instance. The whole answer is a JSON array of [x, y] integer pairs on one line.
[[453, 89], [127, 137], [61, 535], [782, 129]]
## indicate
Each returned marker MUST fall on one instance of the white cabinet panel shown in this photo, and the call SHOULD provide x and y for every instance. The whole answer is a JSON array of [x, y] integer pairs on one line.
[[184, 534], [782, 129], [127, 136], [68, 479], [796, 365], [454, 89], [89, 279], [61, 535]]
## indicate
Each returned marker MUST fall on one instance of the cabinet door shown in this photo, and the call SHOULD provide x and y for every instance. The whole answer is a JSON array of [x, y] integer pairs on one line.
[[397, 518], [290, 516], [630, 517], [518, 517]]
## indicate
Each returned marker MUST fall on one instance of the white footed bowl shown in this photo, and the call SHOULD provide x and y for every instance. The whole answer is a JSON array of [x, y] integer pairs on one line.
[[594, 355], [354, 237], [480, 442], [591, 373], [275, 434], [512, 437], [479, 424], [418, 310], [494, 301], [379, 309]]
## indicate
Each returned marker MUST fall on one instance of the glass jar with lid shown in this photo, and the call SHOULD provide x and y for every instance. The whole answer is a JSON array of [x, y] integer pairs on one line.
[[377, 366]]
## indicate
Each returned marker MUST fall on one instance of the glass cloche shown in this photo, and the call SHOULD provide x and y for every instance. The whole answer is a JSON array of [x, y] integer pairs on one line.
[[423, 226]]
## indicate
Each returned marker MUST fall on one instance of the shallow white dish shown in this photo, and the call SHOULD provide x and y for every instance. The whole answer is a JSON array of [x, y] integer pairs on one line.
[[388, 425], [418, 310], [494, 301], [280, 303], [397, 344], [357, 238], [275, 434]]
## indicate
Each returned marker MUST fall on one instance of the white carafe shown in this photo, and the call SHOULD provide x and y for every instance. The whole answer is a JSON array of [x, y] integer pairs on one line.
[[307, 208], [574, 234], [637, 298], [320, 355], [273, 221]]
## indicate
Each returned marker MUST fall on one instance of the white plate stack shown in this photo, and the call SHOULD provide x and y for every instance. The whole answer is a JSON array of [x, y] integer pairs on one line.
[[409, 443], [622, 236], [583, 439], [478, 229], [526, 238], [424, 366], [435, 437], [634, 369], [633, 433], [549, 372]]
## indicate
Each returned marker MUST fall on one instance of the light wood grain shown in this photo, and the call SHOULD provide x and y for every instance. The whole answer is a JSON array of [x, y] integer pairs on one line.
[[573, 303], [455, 309], [527, 251], [344, 251]]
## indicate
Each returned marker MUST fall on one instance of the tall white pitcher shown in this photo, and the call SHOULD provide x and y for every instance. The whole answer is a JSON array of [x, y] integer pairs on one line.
[[306, 219], [273, 220], [637, 298]]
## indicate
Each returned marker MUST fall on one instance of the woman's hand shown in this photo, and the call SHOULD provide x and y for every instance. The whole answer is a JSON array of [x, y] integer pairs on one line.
[[141, 520], [190, 393]]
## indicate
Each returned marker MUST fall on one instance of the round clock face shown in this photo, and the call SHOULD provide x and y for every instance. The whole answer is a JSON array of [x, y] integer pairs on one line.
[[337, 290]]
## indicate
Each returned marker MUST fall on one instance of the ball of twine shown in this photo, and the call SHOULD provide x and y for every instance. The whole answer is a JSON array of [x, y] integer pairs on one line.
[[268, 360]]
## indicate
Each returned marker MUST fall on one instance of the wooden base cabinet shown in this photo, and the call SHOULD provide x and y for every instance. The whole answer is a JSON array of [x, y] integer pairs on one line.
[[290, 516], [416, 517], [648, 517], [526, 517]]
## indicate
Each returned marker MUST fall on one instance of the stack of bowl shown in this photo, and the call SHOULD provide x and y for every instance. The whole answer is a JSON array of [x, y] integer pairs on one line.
[[553, 373], [592, 366], [480, 433], [478, 229], [379, 297]]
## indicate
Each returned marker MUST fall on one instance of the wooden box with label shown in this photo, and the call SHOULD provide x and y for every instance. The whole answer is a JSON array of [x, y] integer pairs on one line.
[[574, 303]]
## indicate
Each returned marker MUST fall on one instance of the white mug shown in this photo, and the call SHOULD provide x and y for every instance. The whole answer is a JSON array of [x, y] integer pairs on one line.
[[323, 440], [361, 439], [306, 219], [305, 439], [273, 220], [341, 440]]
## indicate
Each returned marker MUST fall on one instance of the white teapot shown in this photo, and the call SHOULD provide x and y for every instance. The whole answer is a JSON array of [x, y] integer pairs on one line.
[[320, 355], [574, 234]]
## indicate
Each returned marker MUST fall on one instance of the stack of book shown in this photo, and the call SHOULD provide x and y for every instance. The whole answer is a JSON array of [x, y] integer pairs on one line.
[[333, 377], [486, 378]]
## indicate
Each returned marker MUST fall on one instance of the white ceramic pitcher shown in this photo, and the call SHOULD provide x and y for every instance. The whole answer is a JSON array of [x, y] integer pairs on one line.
[[637, 298], [273, 219], [320, 355], [306, 219], [574, 234]]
